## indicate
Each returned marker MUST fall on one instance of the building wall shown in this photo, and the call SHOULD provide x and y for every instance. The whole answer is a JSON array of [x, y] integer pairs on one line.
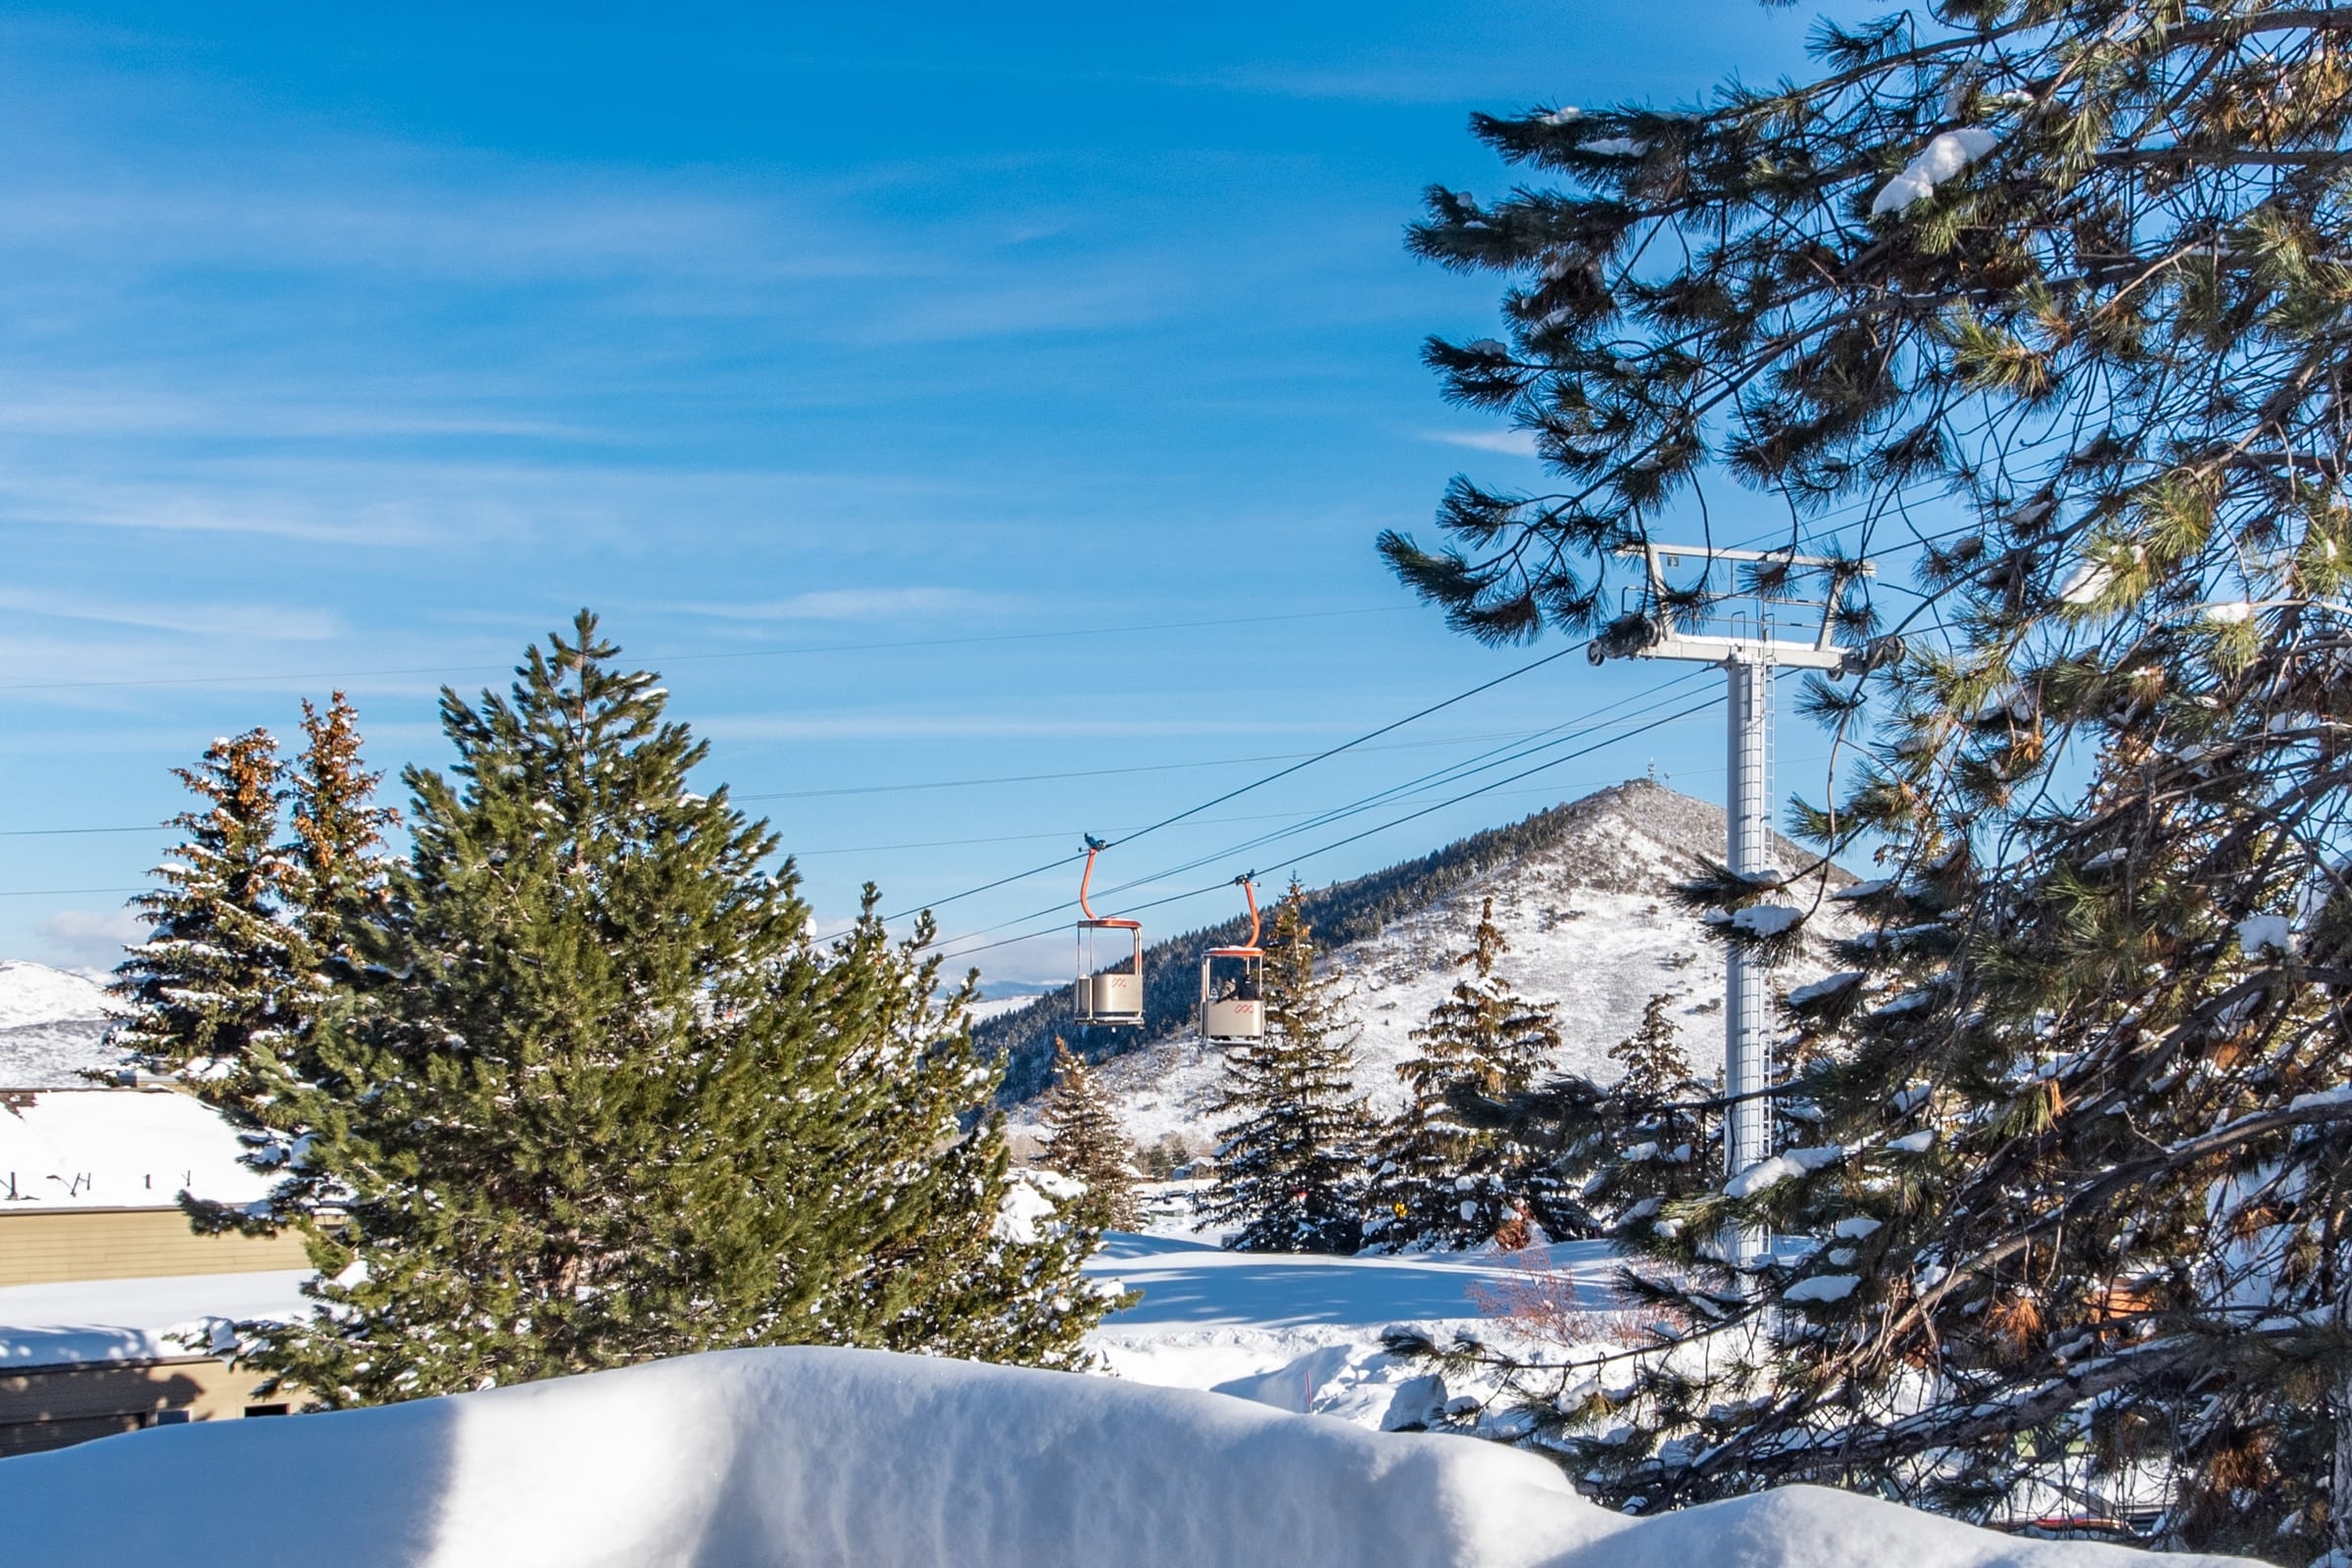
[[40, 1246], [57, 1406]]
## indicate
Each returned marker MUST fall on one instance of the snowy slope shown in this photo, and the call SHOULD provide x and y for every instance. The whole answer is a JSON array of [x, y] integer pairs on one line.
[[35, 993], [828, 1457], [1593, 924], [53, 1027], [118, 1148]]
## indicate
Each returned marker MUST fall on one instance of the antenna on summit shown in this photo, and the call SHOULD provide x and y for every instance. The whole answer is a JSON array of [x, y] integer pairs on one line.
[[1749, 645]]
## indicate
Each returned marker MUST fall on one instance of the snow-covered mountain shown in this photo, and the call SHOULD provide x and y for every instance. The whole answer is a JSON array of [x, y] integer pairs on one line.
[[1584, 895], [53, 1026]]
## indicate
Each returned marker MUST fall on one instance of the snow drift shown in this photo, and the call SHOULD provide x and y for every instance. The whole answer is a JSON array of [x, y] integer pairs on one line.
[[855, 1457]]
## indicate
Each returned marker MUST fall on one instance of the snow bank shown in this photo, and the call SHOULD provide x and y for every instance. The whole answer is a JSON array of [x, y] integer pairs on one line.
[[828, 1456], [119, 1148]]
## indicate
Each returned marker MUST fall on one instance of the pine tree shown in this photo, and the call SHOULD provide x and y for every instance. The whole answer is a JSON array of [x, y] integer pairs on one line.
[[1651, 1056], [228, 991], [1293, 1134], [601, 1098], [1437, 1180], [338, 829], [2076, 1216], [210, 991], [1086, 1144], [1659, 1145]]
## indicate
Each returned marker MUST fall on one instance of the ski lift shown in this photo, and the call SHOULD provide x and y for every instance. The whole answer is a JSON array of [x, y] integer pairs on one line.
[[1109, 990], [1233, 1010]]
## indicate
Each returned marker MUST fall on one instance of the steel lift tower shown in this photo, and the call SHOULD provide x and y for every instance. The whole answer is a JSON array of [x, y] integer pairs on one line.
[[1750, 647]]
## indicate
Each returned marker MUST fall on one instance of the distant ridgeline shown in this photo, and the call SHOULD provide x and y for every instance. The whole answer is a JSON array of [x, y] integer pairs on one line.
[[1346, 911]]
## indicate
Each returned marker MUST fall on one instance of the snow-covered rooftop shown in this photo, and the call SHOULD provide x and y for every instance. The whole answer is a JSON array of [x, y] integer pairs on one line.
[[118, 1148], [83, 1321]]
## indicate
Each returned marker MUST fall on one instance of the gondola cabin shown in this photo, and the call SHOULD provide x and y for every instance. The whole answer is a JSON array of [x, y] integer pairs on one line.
[[1233, 1007], [1110, 988]]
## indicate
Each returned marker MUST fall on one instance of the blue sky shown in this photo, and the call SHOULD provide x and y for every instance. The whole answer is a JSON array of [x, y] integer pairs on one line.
[[358, 346]]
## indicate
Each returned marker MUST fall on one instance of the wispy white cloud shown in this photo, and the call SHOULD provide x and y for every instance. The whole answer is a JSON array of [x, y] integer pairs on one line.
[[1513, 443], [258, 622], [861, 604], [105, 411], [87, 939], [405, 503]]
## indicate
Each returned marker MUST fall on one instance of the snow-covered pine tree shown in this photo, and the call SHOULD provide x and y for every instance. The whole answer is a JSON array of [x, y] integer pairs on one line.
[[1651, 1060], [1436, 1180], [210, 993], [338, 828], [1609, 1161], [602, 1099], [2052, 304], [1085, 1143], [1293, 1134], [1613, 1160]]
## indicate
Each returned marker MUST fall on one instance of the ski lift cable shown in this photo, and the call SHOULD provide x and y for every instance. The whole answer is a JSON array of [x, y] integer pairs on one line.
[[1328, 817], [1257, 783], [1310, 855], [1469, 768], [1194, 810], [1584, 726], [933, 843], [1484, 789], [159, 826]]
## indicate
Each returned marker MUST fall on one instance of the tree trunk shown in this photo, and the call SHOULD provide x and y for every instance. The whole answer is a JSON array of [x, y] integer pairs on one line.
[[2339, 1490]]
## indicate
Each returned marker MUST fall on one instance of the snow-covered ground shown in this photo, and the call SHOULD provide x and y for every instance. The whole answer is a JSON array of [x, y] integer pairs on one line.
[[80, 1321], [118, 1148], [857, 1457], [1303, 1332]]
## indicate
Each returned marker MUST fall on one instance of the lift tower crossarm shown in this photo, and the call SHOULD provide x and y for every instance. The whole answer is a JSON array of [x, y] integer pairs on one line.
[[1670, 642]]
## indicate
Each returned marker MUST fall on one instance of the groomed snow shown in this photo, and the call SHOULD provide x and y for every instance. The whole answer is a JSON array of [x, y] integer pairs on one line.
[[52, 1028], [78, 1322], [862, 1458], [119, 1148]]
